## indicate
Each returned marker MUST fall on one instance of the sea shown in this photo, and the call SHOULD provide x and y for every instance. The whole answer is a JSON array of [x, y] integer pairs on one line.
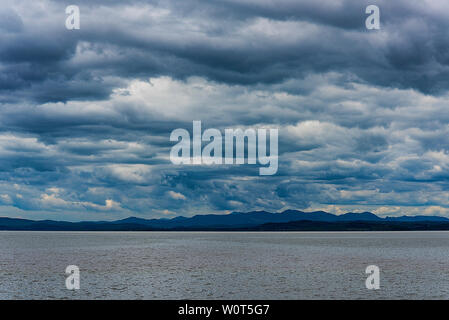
[[224, 265]]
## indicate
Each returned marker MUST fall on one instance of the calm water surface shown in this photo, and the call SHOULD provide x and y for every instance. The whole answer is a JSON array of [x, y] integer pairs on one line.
[[224, 265]]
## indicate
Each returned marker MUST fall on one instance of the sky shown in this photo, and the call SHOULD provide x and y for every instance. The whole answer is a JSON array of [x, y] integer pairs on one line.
[[86, 115]]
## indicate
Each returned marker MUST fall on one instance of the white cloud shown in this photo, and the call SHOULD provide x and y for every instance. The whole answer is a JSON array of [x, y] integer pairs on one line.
[[176, 195], [5, 199]]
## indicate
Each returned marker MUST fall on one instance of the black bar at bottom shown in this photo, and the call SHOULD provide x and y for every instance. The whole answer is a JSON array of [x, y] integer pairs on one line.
[[226, 309]]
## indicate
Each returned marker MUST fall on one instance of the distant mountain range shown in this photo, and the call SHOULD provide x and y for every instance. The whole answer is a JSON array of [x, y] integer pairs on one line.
[[289, 220]]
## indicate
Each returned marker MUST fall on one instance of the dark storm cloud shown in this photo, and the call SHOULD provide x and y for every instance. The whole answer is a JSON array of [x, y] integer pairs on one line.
[[237, 42], [86, 114]]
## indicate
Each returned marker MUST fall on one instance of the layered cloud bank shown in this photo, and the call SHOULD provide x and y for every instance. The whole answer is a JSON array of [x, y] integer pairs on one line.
[[86, 114]]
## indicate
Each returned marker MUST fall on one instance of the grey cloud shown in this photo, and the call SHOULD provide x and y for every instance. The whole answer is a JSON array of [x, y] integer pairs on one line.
[[233, 42], [86, 114]]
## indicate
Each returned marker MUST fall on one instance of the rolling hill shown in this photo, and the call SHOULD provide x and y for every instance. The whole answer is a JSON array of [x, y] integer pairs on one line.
[[288, 220]]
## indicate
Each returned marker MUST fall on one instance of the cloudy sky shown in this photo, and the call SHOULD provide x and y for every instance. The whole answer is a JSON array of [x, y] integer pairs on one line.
[[86, 115]]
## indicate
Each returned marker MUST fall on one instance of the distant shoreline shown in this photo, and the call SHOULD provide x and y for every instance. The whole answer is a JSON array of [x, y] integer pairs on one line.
[[289, 220], [293, 226]]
